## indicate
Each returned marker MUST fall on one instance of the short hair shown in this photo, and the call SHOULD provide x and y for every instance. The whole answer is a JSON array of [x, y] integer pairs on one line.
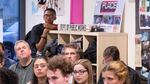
[[8, 76], [119, 69], [73, 46], [59, 62], [87, 65], [21, 41], [50, 9], [112, 51]]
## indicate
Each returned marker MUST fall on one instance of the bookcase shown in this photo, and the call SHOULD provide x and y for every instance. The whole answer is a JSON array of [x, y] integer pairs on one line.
[[103, 40]]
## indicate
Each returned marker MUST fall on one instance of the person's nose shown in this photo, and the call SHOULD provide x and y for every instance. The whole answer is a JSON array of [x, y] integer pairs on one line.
[[22, 50], [69, 56]]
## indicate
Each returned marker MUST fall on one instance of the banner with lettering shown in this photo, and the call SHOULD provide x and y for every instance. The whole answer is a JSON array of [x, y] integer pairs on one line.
[[108, 14]]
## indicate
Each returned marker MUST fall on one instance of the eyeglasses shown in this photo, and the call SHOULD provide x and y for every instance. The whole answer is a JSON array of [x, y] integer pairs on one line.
[[49, 15], [80, 72]]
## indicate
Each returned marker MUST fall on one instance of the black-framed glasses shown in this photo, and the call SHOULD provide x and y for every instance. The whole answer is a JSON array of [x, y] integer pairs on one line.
[[80, 72], [49, 15]]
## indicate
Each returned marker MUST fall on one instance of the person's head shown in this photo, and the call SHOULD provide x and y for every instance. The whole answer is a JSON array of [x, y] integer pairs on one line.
[[22, 49], [8, 76], [59, 70], [111, 53], [72, 52], [49, 15], [82, 72], [40, 68], [116, 72]]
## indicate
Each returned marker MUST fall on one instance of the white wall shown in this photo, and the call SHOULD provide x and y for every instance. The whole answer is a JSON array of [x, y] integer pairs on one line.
[[129, 25], [129, 21]]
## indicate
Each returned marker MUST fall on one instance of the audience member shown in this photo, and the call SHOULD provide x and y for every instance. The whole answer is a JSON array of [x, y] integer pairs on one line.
[[7, 62], [38, 35], [8, 76], [111, 53], [82, 72], [116, 72], [72, 52], [24, 68], [40, 71], [59, 70]]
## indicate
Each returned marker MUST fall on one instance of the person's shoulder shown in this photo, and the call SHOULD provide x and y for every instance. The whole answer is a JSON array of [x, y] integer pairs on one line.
[[38, 25], [132, 71], [13, 67]]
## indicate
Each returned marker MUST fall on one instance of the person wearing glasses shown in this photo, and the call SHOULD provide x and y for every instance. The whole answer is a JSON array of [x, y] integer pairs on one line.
[[82, 72], [59, 70], [40, 71], [37, 37]]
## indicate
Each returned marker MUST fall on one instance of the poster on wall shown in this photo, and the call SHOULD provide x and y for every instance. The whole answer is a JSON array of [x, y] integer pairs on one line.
[[108, 14], [38, 6], [143, 32], [144, 14]]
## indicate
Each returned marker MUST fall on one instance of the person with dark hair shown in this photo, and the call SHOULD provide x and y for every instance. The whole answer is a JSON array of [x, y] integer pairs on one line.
[[112, 53], [40, 71], [37, 37], [59, 70], [24, 68], [8, 76]]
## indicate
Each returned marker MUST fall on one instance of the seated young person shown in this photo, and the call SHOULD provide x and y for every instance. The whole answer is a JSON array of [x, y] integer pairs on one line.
[[111, 53], [82, 72], [38, 35], [116, 72], [40, 71], [59, 70]]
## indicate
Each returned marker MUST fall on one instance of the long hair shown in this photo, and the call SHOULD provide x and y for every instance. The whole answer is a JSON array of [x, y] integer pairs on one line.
[[87, 65], [35, 79]]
